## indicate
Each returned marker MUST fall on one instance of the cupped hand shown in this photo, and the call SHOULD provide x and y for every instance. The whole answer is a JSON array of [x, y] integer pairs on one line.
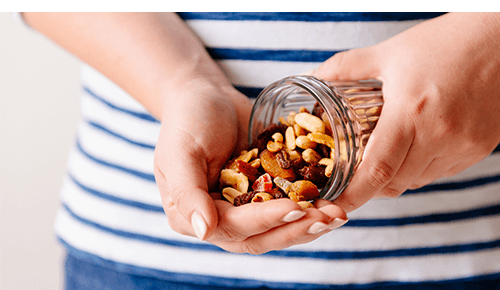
[[201, 128], [441, 86]]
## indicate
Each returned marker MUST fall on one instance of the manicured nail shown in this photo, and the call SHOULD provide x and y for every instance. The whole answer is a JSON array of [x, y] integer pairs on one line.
[[293, 216], [336, 223], [199, 225], [317, 228]]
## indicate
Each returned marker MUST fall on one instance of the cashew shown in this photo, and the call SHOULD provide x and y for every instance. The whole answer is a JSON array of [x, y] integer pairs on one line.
[[310, 122], [248, 155], [236, 180], [274, 146], [277, 137], [329, 166]]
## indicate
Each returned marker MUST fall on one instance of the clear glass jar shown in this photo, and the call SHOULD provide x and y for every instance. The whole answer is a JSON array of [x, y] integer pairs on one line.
[[352, 108]]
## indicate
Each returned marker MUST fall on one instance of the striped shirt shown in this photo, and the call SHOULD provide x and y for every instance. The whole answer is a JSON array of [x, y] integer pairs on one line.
[[111, 213]]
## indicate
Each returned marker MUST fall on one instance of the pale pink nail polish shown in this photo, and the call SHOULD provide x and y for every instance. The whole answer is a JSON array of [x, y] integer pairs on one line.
[[293, 216], [317, 228], [337, 223], [199, 225]]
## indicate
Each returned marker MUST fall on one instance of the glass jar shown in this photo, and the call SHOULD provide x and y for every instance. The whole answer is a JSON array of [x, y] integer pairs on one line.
[[351, 109]]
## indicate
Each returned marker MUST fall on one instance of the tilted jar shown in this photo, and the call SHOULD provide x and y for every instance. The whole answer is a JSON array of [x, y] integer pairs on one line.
[[352, 109]]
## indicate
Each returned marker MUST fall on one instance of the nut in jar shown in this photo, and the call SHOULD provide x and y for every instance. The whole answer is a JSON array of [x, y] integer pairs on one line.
[[307, 138]]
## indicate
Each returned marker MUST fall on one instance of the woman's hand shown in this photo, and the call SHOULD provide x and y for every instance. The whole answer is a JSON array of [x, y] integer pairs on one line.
[[201, 128], [441, 85]]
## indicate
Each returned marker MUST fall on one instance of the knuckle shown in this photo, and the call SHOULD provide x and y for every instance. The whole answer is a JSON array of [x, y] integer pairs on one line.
[[392, 192], [380, 174], [251, 248]]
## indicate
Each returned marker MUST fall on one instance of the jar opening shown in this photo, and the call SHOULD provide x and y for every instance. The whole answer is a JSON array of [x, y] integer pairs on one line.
[[290, 94]]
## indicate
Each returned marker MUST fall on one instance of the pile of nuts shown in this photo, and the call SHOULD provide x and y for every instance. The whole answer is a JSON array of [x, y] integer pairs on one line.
[[293, 159]]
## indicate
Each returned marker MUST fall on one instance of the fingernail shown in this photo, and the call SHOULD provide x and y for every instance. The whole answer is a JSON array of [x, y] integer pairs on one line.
[[293, 216], [336, 223], [199, 225], [317, 228]]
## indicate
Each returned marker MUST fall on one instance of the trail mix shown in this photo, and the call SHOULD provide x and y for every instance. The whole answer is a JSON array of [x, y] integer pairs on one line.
[[292, 159]]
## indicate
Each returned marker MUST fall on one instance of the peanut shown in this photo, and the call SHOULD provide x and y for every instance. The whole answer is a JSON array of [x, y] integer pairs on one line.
[[310, 122], [290, 138], [322, 139], [304, 143], [310, 156]]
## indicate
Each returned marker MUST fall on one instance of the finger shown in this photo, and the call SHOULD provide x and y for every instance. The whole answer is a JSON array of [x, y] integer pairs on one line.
[[414, 165], [237, 223], [314, 224], [353, 64], [181, 174], [385, 152], [438, 168]]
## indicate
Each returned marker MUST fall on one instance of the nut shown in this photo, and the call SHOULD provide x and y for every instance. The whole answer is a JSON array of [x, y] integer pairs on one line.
[[304, 142], [277, 145], [299, 131], [310, 122], [290, 138], [305, 204], [310, 156], [291, 118], [236, 180], [322, 139], [261, 197], [329, 165], [274, 146], [230, 194], [303, 190]]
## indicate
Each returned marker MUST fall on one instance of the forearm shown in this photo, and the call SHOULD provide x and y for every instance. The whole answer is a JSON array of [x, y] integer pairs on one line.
[[149, 55]]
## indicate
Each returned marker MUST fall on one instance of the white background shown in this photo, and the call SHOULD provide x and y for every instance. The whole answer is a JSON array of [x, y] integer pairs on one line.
[[39, 110]]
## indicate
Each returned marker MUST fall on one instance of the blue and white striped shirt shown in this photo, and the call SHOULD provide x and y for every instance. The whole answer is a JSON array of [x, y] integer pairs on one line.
[[111, 213]]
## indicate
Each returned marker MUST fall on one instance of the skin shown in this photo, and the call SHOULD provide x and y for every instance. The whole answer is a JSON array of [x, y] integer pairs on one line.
[[158, 61], [441, 92], [441, 85]]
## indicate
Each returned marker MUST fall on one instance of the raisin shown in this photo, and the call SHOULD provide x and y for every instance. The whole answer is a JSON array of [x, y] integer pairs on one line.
[[318, 110], [244, 198], [283, 159], [314, 173], [266, 136], [323, 150]]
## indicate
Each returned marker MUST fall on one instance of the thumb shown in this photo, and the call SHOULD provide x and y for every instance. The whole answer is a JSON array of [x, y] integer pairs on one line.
[[356, 64], [181, 176]]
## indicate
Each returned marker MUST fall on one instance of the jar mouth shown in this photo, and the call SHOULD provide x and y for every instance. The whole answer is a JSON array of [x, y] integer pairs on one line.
[[288, 95]]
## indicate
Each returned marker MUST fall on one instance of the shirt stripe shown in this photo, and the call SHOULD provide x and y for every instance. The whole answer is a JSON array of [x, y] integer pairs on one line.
[[309, 17]]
